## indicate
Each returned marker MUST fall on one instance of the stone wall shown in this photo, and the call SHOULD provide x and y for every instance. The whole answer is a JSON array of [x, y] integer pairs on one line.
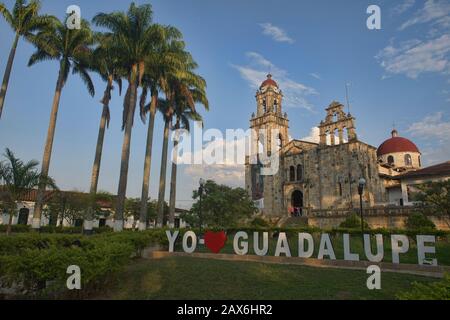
[[387, 217]]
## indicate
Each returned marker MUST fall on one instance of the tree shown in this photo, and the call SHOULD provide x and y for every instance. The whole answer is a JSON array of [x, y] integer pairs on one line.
[[162, 61], [107, 65], [71, 48], [133, 37], [183, 115], [221, 207], [17, 179], [133, 209], [68, 206], [434, 197], [25, 20], [180, 85]]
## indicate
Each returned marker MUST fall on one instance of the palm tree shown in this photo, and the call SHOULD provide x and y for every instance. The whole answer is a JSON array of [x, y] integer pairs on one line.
[[25, 20], [133, 39], [183, 115], [178, 86], [18, 178], [166, 57], [71, 49], [106, 64]]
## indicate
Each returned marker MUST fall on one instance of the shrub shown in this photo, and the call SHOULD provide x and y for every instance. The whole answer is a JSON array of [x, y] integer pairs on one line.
[[15, 228], [259, 222], [353, 222], [418, 220], [37, 263], [439, 290]]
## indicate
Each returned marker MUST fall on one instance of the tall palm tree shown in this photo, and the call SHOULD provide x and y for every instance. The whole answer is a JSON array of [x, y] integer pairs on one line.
[[106, 63], [71, 48], [176, 87], [183, 115], [17, 179], [25, 20], [134, 36], [166, 58]]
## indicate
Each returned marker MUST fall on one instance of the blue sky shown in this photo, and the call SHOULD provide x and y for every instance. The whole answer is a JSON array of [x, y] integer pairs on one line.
[[399, 74]]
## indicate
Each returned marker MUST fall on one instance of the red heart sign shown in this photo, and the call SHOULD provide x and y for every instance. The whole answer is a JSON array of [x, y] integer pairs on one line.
[[215, 241]]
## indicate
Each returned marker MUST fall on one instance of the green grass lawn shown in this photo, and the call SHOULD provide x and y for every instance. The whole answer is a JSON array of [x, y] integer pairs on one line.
[[195, 278], [356, 245]]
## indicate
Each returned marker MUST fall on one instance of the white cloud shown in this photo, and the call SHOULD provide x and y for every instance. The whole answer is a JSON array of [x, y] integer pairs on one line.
[[436, 12], [223, 174], [434, 130], [276, 33], [315, 75], [294, 92], [314, 135], [431, 127], [414, 57], [229, 171], [403, 7]]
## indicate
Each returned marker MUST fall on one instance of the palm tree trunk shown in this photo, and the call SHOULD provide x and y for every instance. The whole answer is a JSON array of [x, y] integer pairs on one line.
[[147, 163], [173, 178], [48, 151], [162, 176], [122, 189], [98, 158], [9, 65]]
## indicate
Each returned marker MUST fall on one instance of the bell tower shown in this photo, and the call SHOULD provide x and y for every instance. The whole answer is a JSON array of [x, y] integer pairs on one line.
[[268, 118]]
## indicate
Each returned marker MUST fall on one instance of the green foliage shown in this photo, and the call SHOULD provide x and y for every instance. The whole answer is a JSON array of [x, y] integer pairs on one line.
[[353, 221], [435, 196], [259, 222], [221, 206], [418, 220], [15, 228], [434, 291], [17, 178], [38, 262]]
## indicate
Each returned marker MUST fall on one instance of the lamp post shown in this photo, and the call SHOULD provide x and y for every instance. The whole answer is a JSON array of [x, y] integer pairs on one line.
[[200, 214], [361, 184]]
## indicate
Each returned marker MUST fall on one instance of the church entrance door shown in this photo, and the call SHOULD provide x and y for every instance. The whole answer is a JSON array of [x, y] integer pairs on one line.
[[297, 202]]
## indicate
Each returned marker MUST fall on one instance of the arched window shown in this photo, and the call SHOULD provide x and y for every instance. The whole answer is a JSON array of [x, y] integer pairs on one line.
[[299, 172], [408, 160], [291, 173], [340, 189], [275, 105], [420, 162], [390, 160], [264, 106]]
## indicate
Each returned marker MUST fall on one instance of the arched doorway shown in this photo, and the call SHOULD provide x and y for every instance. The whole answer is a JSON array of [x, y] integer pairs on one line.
[[297, 202], [23, 216]]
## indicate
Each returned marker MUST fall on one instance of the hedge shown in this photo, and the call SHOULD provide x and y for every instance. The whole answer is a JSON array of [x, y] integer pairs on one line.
[[36, 263]]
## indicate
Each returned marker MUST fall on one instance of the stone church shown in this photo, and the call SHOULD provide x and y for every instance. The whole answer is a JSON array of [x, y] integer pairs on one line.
[[324, 175]]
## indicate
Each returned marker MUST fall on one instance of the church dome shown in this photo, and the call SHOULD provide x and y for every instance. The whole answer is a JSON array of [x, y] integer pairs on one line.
[[396, 144], [269, 82]]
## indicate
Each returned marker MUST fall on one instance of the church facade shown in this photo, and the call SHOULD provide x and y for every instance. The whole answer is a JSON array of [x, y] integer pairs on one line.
[[324, 175]]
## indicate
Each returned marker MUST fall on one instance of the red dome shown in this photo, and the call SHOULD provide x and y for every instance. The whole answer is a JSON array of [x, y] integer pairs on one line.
[[269, 82], [396, 144]]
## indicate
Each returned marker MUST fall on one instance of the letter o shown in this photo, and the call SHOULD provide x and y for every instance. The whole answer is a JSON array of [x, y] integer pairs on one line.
[[186, 236]]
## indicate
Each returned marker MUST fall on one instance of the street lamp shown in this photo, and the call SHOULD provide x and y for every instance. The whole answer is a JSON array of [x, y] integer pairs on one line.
[[361, 184], [200, 192]]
